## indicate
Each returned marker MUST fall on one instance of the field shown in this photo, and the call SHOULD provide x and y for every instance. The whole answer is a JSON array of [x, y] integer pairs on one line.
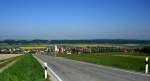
[[129, 61], [26, 69], [6, 56], [5, 62], [32, 47], [103, 45], [5, 45]]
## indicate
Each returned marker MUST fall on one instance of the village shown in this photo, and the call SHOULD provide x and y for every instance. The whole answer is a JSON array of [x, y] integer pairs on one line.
[[65, 50]]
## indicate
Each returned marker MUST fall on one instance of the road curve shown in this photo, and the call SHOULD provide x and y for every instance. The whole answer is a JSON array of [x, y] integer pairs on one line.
[[70, 70]]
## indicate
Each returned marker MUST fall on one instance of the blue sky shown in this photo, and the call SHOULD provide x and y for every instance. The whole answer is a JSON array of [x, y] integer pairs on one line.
[[75, 19]]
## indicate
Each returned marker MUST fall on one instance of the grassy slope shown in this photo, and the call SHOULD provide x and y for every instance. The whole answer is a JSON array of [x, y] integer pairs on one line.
[[119, 60], [26, 69]]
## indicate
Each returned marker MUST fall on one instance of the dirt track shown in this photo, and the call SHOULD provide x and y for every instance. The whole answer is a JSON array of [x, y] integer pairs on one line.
[[5, 56]]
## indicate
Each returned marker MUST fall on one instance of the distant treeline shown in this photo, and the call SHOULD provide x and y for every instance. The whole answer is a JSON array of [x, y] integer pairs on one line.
[[25, 41], [94, 41], [100, 41], [146, 50]]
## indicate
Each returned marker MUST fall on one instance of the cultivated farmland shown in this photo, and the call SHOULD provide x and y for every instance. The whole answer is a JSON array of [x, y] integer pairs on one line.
[[6, 56]]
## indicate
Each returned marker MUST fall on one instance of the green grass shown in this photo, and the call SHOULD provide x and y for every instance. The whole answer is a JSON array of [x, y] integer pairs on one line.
[[103, 45], [26, 69], [129, 61]]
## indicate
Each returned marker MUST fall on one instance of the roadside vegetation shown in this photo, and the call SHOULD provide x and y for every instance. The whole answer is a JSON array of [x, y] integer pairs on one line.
[[26, 69], [130, 61], [146, 49], [7, 61]]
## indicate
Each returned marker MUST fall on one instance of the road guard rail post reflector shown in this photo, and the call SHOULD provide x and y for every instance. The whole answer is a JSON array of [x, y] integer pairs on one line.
[[49, 70], [146, 65], [45, 68]]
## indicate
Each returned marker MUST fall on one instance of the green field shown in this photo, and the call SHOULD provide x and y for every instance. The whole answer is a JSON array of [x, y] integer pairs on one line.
[[5, 45], [129, 61], [103, 45], [26, 69]]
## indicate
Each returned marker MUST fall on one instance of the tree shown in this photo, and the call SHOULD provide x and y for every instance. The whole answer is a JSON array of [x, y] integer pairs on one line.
[[146, 49]]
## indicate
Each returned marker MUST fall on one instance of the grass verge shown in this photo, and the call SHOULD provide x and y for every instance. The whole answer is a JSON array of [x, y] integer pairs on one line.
[[26, 69], [119, 60]]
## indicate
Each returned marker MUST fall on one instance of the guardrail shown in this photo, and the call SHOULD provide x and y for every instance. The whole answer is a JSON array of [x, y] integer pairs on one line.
[[48, 70]]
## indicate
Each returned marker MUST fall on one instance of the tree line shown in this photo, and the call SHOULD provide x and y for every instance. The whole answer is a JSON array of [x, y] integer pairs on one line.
[[93, 41]]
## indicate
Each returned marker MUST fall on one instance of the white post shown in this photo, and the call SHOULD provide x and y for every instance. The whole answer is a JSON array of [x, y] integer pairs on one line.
[[146, 65], [56, 50], [45, 68]]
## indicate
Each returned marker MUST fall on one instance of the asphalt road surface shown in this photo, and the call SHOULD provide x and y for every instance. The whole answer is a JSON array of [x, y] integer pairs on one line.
[[70, 70]]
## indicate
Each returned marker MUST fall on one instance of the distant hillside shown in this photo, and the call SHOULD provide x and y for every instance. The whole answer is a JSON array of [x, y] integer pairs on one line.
[[94, 41]]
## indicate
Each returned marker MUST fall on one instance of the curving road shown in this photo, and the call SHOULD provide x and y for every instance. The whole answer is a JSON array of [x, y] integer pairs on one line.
[[70, 70]]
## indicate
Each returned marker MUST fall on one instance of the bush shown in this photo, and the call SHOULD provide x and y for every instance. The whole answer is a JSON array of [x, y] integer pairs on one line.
[[146, 49]]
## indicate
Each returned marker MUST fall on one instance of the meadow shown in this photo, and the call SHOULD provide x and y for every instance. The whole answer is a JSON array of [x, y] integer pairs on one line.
[[5, 45], [129, 61]]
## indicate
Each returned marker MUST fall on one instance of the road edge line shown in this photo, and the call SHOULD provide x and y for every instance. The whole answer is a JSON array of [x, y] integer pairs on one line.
[[52, 72], [109, 67]]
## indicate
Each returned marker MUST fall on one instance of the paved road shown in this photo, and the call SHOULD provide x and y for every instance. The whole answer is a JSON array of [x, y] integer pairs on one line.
[[70, 70]]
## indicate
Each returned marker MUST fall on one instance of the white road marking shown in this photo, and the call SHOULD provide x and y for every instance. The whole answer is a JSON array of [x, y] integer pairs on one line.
[[42, 62], [109, 67]]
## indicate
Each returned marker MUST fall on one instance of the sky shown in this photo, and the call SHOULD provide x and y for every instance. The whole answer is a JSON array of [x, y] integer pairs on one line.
[[74, 19]]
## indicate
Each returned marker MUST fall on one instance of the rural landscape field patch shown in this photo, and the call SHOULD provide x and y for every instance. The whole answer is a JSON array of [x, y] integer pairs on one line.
[[26, 69], [129, 61]]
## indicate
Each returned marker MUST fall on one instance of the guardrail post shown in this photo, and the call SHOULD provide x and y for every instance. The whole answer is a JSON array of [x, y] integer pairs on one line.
[[45, 68], [146, 65]]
